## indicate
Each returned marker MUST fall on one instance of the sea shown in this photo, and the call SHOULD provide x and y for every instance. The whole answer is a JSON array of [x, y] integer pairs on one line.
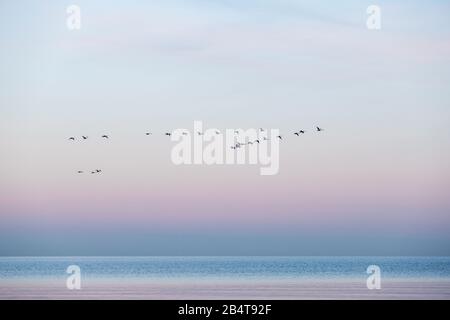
[[222, 277]]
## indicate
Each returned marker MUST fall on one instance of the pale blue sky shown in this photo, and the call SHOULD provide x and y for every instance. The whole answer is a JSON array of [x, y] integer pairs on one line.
[[158, 65]]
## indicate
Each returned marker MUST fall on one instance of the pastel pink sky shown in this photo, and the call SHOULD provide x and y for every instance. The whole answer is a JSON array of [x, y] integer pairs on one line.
[[380, 170]]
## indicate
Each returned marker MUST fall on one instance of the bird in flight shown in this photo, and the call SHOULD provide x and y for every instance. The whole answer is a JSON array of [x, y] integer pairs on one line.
[[257, 141], [168, 134], [105, 136], [301, 131], [79, 171], [148, 133], [319, 129], [280, 137], [85, 137], [72, 138], [98, 171], [297, 133]]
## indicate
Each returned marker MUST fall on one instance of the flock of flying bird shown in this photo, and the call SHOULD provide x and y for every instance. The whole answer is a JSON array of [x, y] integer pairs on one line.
[[236, 146]]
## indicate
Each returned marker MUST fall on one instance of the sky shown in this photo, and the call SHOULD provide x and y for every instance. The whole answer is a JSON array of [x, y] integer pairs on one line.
[[375, 182]]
